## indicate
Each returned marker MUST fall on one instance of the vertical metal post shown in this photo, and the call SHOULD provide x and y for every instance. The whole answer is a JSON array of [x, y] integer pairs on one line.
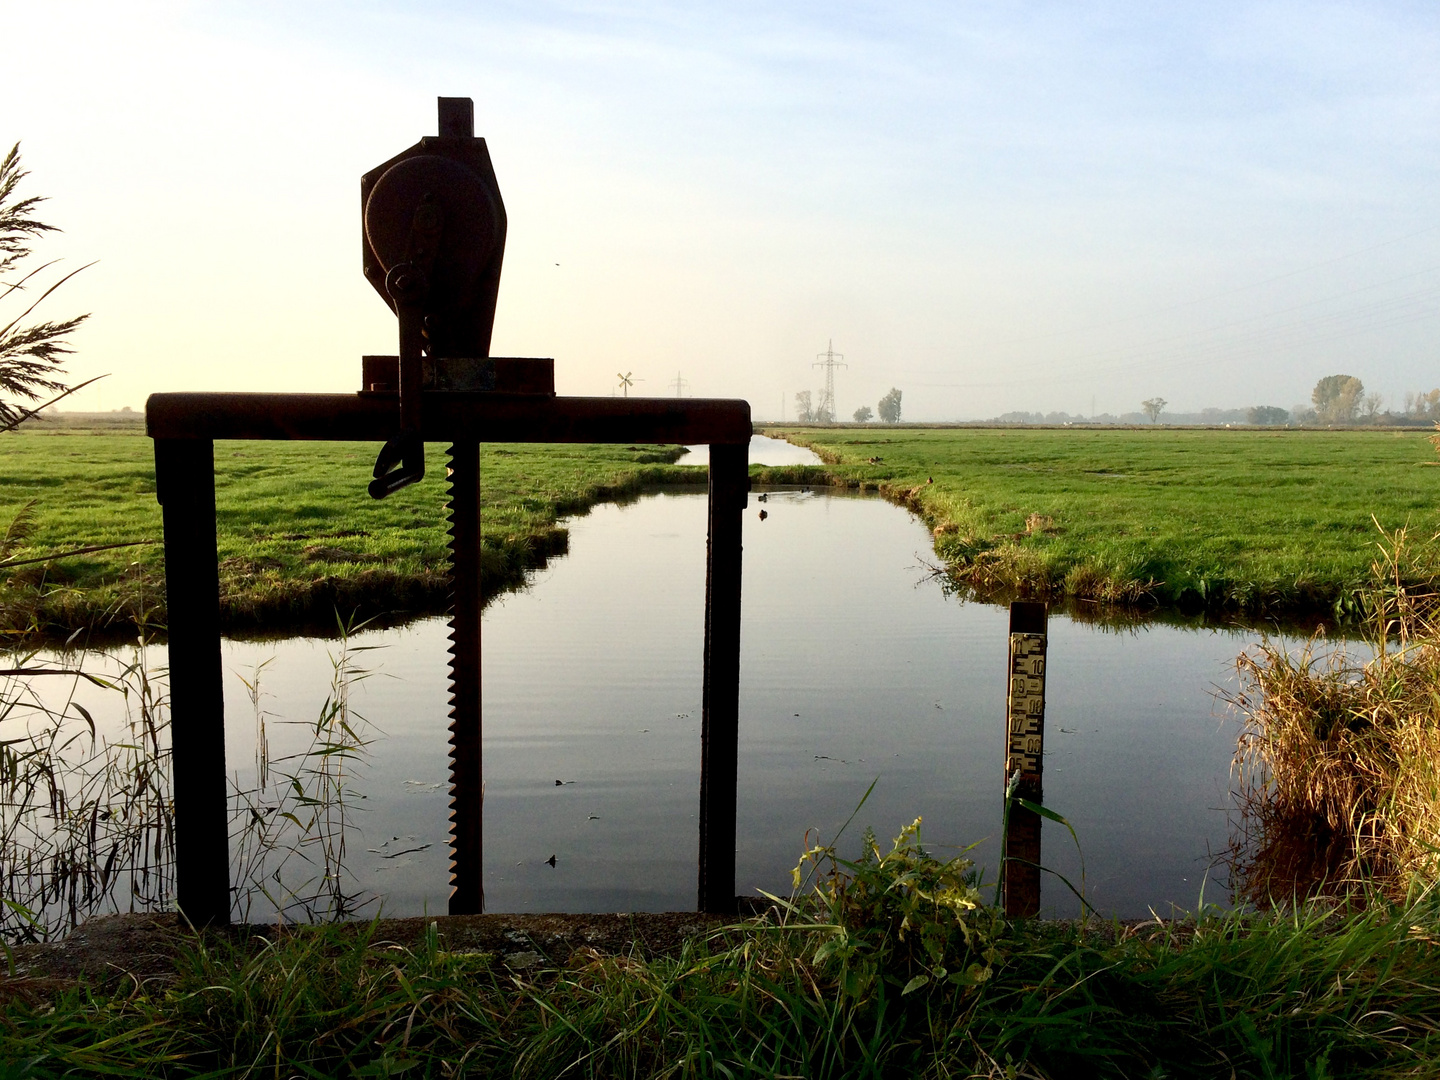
[[467, 896], [457, 117], [185, 486], [720, 723], [1025, 755]]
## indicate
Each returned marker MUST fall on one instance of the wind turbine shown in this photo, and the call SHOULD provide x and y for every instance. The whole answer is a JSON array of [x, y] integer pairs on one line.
[[626, 382]]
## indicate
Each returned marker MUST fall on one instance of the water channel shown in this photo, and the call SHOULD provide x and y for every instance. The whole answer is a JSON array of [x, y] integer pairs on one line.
[[856, 667]]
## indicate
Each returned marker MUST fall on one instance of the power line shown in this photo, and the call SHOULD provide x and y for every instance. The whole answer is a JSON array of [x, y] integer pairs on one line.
[[829, 360]]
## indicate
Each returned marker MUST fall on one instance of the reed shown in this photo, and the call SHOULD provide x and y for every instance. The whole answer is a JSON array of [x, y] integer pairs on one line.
[[292, 828], [85, 820], [86, 815], [1338, 761]]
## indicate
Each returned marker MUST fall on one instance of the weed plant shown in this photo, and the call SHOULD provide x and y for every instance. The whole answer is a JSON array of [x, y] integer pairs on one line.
[[1338, 764], [902, 918]]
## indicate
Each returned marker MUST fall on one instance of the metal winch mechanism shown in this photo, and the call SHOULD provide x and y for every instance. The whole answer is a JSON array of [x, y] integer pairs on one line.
[[433, 232], [433, 239]]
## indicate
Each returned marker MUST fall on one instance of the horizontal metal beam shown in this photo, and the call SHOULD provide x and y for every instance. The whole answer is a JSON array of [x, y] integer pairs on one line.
[[448, 417]]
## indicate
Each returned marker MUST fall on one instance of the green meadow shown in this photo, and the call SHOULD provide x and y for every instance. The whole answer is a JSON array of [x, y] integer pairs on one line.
[[299, 538], [1248, 520], [1252, 522]]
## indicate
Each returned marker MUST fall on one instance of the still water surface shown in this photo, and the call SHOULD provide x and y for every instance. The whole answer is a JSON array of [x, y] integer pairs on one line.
[[856, 667]]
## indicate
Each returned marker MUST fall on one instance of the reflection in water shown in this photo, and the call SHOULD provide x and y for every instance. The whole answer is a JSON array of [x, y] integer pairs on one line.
[[763, 451], [855, 666]]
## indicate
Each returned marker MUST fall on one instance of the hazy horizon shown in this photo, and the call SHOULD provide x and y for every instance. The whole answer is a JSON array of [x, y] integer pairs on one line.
[[992, 207]]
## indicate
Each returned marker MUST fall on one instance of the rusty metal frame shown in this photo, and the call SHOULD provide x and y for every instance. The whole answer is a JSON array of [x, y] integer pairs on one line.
[[184, 428]]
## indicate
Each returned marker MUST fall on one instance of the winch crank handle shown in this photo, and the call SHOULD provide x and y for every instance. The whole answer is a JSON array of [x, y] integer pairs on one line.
[[400, 464], [408, 285]]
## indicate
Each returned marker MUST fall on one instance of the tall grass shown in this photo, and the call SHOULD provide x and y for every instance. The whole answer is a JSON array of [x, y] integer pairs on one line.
[[85, 819], [1338, 764], [86, 811], [294, 825]]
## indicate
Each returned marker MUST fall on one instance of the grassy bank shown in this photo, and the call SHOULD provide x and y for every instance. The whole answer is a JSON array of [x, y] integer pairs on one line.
[[298, 536], [1252, 521], [1313, 996]]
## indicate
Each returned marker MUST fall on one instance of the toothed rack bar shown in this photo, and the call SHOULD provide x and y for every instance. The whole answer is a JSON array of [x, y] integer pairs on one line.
[[184, 427]]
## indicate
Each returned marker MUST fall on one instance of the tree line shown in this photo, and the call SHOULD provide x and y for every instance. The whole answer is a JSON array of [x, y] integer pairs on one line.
[[888, 409], [1336, 401]]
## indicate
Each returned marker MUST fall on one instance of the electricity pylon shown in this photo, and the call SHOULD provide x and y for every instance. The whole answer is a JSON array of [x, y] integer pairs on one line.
[[679, 384], [829, 360]]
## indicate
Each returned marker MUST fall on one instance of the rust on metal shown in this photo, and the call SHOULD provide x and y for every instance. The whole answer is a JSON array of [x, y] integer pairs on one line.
[[494, 374], [433, 241], [720, 707]]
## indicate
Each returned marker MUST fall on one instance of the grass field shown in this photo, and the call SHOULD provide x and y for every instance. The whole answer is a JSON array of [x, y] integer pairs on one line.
[[1249, 520], [298, 536]]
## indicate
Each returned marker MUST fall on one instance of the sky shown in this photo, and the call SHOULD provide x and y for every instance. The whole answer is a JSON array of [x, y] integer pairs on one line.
[[991, 206]]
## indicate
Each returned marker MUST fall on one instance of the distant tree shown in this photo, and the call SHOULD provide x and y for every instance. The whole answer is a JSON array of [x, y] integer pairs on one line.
[[804, 411], [1153, 408], [1423, 405], [889, 407], [863, 415], [1337, 399], [1266, 415], [1370, 406], [1216, 417], [31, 355]]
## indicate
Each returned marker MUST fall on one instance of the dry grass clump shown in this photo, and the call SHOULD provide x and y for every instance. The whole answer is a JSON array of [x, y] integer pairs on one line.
[[1088, 581], [1039, 523], [1338, 763], [1009, 567]]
